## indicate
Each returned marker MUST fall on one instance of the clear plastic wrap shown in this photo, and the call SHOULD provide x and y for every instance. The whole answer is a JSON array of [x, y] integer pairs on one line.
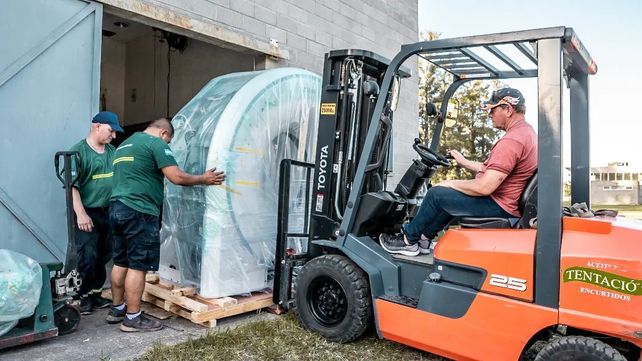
[[221, 239], [20, 285], [7, 326]]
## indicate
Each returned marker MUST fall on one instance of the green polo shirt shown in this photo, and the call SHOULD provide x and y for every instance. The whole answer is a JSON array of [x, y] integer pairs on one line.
[[138, 178], [96, 171]]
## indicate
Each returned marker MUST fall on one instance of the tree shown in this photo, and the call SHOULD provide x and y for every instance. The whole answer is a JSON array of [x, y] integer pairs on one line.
[[468, 128]]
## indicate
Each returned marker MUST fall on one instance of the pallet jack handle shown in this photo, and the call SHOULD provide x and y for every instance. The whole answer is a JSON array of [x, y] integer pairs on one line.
[[68, 175]]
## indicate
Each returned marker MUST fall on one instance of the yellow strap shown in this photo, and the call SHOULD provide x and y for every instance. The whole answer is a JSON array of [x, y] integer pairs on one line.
[[248, 150], [230, 190], [248, 183]]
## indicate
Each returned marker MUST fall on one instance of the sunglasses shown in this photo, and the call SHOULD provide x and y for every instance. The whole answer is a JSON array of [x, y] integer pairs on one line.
[[491, 110]]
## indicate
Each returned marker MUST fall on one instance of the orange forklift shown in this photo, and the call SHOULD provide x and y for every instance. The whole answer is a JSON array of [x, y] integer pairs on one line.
[[546, 285]]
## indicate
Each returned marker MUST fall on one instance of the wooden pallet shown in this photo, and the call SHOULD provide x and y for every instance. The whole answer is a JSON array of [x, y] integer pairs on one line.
[[185, 302]]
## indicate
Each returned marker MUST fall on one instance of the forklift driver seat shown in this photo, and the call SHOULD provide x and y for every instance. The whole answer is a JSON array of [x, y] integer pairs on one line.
[[527, 206]]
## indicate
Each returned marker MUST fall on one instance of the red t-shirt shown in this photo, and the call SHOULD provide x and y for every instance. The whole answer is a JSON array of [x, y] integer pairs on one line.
[[514, 154]]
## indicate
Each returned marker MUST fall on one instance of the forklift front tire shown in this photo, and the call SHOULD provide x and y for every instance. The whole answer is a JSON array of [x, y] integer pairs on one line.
[[578, 348], [333, 298]]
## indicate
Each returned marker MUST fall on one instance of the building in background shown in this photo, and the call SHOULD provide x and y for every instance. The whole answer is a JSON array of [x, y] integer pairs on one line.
[[617, 183]]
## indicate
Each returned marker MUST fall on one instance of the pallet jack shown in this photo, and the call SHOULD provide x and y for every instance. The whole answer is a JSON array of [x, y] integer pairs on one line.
[[54, 315]]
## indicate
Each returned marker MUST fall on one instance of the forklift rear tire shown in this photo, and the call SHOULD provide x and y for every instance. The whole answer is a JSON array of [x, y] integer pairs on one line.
[[578, 348], [333, 298], [67, 319]]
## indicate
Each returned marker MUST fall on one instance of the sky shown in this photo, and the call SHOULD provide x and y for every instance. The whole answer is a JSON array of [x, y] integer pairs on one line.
[[610, 30]]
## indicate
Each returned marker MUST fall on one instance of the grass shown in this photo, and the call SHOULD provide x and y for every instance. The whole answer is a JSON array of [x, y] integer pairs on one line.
[[281, 339]]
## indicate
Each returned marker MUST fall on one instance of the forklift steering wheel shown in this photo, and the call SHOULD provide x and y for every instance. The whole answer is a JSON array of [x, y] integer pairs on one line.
[[428, 155]]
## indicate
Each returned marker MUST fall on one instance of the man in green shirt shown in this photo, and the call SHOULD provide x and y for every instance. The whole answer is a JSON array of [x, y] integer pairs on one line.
[[91, 194], [141, 163]]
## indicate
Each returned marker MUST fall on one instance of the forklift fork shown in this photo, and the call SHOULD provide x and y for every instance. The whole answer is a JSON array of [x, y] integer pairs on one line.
[[287, 260]]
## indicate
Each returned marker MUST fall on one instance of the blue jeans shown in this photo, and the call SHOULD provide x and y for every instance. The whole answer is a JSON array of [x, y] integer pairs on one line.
[[442, 204]]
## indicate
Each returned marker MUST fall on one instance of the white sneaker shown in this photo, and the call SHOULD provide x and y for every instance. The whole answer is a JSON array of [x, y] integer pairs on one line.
[[397, 244], [424, 246]]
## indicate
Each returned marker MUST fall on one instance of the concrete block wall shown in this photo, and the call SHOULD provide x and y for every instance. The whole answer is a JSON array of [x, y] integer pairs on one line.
[[305, 30]]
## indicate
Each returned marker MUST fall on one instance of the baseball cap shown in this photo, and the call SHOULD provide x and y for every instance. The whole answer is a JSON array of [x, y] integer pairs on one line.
[[510, 96], [108, 118]]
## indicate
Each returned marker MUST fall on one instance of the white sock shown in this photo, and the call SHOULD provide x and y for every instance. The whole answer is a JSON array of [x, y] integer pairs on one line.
[[120, 307], [131, 316]]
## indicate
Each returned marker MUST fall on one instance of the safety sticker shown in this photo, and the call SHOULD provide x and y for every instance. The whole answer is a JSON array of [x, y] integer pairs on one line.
[[328, 108]]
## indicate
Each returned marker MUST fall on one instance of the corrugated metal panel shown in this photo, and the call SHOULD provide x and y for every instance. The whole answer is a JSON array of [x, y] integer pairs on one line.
[[49, 79]]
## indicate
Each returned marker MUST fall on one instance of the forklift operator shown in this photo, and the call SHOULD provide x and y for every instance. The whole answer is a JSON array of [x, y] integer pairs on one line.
[[494, 192]]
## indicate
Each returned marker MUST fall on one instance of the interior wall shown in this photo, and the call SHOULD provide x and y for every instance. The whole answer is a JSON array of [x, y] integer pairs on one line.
[[112, 79], [146, 78], [196, 66], [142, 101], [134, 74]]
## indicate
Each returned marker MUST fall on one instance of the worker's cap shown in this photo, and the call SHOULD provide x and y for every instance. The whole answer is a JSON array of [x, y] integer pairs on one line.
[[509, 96], [108, 118]]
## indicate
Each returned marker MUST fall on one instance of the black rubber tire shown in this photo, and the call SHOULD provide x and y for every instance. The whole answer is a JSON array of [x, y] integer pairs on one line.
[[578, 348], [333, 298], [67, 319]]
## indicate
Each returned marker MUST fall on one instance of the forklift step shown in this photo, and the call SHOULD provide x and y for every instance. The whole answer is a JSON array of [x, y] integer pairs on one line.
[[401, 300], [427, 259]]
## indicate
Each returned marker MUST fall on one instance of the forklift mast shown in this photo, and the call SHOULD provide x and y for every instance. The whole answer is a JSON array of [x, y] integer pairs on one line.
[[351, 82], [553, 55]]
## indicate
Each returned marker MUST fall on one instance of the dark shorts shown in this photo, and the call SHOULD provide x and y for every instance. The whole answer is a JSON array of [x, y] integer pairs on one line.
[[136, 238]]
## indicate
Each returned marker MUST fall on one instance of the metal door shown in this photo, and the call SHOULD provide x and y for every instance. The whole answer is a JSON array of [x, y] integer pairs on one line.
[[49, 86]]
